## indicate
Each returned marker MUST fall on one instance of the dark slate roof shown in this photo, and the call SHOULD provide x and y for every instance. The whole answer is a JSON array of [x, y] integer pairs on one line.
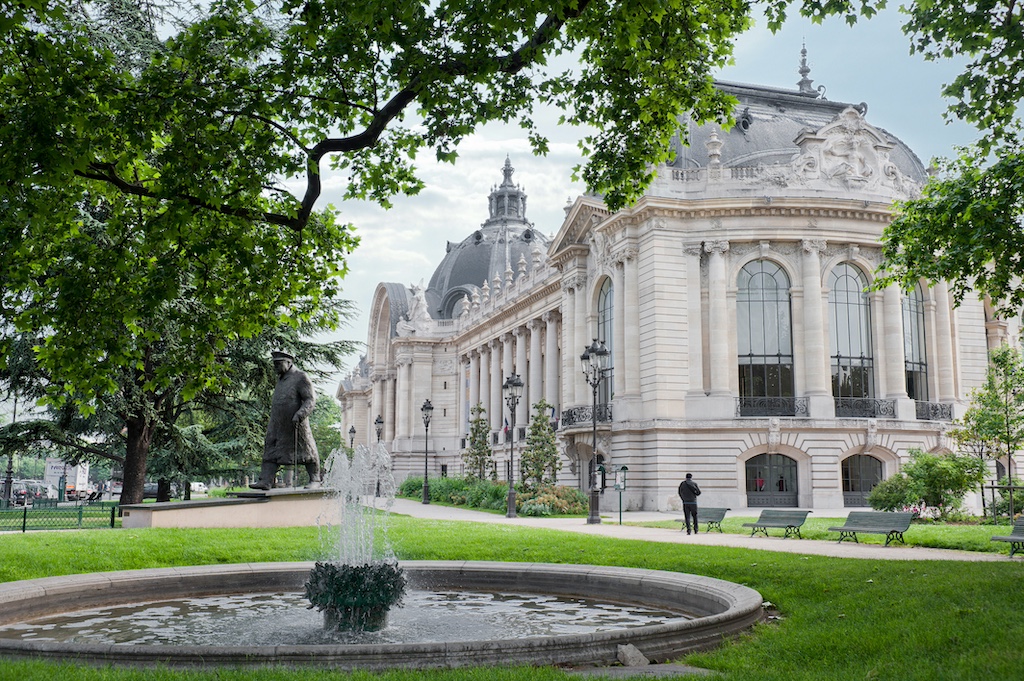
[[768, 120]]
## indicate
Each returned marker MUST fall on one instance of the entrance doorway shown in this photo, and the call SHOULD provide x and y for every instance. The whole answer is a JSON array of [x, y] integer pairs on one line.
[[771, 481], [861, 472]]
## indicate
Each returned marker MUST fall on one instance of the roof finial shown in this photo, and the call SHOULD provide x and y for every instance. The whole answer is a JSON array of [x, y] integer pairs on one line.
[[805, 84], [507, 172]]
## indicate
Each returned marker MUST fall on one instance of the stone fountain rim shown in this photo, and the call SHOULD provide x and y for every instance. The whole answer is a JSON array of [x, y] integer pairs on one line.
[[724, 609]]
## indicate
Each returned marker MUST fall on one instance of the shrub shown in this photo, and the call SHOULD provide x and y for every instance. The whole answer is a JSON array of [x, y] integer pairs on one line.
[[892, 494], [552, 500], [355, 597]]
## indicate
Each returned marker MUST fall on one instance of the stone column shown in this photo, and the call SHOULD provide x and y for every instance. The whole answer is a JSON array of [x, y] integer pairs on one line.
[[718, 318], [522, 409], [583, 338], [631, 320], [534, 392], [618, 342], [390, 413], [568, 394], [944, 342], [462, 393], [402, 397], [893, 334], [474, 380], [815, 343], [484, 396], [497, 408], [694, 320], [552, 363]]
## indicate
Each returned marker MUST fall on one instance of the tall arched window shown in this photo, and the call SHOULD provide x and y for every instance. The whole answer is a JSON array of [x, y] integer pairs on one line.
[[916, 360], [605, 332], [764, 340], [849, 309]]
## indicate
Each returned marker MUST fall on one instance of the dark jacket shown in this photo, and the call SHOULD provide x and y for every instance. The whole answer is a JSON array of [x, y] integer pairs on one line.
[[689, 491], [287, 441]]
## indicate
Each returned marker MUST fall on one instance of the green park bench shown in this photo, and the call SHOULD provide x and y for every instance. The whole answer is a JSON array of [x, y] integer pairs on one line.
[[713, 517], [1016, 537], [891, 524], [772, 517]]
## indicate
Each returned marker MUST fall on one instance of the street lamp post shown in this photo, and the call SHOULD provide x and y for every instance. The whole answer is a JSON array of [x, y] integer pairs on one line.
[[378, 425], [426, 409], [594, 362], [351, 437], [513, 390]]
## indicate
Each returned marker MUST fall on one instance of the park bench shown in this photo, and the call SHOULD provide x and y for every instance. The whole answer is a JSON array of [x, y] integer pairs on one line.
[[771, 517], [713, 517], [1016, 537], [891, 524]]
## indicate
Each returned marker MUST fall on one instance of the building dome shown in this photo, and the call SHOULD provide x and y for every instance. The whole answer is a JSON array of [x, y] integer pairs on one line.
[[490, 256], [769, 121]]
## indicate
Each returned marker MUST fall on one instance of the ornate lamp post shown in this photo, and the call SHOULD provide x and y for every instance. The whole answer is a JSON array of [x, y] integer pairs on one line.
[[594, 362], [427, 409], [351, 437], [513, 391], [378, 424]]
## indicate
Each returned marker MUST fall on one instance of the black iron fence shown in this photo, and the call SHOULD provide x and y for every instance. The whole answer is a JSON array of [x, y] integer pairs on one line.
[[40, 517]]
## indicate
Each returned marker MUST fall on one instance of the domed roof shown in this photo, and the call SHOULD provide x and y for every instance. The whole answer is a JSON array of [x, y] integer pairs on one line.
[[768, 123], [503, 243]]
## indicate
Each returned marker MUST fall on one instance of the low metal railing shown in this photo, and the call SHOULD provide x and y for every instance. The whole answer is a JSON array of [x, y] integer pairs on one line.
[[585, 414], [81, 517]]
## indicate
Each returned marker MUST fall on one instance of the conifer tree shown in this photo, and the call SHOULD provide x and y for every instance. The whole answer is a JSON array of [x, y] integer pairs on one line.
[[478, 454], [540, 462]]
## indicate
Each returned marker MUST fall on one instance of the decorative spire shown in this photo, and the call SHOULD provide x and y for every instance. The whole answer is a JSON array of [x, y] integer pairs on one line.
[[507, 172], [805, 84], [507, 200]]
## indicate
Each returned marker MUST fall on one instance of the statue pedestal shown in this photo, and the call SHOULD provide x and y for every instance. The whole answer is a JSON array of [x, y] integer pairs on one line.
[[272, 508]]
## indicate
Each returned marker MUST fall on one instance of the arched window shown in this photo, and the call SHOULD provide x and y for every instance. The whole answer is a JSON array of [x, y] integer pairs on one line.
[[861, 472], [916, 361], [605, 332], [853, 373], [771, 480], [764, 340]]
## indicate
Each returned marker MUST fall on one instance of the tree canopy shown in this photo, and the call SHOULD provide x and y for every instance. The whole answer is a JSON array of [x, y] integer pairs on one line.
[[968, 226]]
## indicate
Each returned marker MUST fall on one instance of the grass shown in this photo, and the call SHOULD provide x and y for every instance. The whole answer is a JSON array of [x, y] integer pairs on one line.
[[840, 619], [921, 533]]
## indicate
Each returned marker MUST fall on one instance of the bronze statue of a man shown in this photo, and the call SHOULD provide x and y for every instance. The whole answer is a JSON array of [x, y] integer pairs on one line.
[[289, 438]]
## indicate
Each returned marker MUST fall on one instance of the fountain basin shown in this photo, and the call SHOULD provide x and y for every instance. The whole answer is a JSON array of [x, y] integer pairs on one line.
[[719, 609]]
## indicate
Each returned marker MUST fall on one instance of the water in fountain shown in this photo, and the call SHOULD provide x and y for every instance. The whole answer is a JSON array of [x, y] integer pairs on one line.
[[362, 580], [353, 540]]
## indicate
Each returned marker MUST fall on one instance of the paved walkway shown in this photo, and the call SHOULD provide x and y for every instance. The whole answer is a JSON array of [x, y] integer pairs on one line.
[[609, 527]]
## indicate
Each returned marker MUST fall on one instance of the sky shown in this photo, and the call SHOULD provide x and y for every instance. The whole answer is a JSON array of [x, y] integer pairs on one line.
[[869, 62]]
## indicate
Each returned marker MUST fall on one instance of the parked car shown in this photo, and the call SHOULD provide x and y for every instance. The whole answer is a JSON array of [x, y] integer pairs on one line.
[[199, 488], [149, 490]]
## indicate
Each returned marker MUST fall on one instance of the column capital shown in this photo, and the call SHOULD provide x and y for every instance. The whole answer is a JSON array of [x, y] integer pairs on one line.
[[534, 324], [624, 254], [693, 249], [719, 247], [519, 331], [814, 246], [551, 316]]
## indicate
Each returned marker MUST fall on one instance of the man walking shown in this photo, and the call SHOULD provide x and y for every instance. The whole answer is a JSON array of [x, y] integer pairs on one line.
[[688, 492]]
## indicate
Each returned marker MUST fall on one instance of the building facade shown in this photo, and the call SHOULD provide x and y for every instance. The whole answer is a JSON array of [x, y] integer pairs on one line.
[[746, 344]]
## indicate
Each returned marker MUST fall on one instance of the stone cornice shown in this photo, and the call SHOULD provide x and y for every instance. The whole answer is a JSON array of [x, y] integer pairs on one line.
[[796, 207]]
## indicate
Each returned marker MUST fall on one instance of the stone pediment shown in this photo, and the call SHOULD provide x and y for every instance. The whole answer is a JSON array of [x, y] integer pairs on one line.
[[848, 153]]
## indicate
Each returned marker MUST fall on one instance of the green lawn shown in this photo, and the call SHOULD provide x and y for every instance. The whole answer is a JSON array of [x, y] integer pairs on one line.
[[840, 619]]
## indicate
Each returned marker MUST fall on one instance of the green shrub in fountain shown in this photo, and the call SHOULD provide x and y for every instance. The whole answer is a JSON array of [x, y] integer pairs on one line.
[[355, 597]]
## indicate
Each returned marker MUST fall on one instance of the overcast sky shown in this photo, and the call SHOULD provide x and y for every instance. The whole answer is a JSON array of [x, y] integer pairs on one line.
[[866, 63]]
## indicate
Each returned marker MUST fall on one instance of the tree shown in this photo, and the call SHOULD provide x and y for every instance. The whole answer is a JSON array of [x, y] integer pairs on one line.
[[968, 225], [540, 461], [478, 454], [996, 415]]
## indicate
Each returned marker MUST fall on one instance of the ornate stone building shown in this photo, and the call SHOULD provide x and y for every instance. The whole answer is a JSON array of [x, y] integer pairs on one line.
[[745, 345]]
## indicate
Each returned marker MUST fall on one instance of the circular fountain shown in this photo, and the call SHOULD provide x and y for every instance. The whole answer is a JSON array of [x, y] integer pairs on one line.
[[700, 610], [717, 609]]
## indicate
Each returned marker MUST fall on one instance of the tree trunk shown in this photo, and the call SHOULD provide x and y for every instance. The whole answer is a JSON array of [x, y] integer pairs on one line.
[[140, 435]]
